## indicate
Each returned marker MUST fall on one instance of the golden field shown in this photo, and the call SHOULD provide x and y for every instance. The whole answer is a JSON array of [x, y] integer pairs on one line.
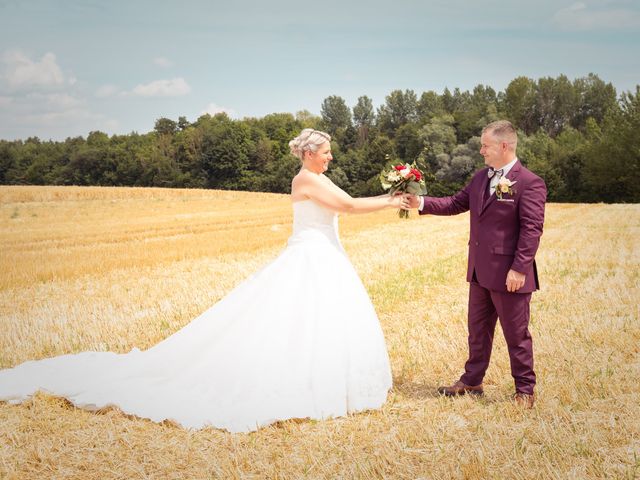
[[116, 268]]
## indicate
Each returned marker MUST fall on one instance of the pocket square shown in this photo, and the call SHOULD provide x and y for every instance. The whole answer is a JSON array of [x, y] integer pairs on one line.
[[505, 199]]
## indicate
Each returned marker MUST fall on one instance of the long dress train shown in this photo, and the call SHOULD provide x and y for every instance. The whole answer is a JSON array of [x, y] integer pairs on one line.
[[297, 339]]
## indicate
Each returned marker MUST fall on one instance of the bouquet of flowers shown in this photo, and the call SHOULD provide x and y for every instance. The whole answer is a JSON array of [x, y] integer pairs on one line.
[[403, 178]]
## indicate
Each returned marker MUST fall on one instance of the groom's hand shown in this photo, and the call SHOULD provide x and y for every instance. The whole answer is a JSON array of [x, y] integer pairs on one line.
[[414, 201], [515, 281]]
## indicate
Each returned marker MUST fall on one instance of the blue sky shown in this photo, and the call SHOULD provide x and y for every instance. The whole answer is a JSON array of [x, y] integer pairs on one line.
[[69, 67]]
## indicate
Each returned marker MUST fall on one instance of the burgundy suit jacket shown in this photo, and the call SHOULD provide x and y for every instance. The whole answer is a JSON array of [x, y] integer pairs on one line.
[[505, 234]]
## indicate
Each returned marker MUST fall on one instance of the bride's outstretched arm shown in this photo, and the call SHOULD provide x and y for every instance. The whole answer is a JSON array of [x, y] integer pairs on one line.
[[322, 190]]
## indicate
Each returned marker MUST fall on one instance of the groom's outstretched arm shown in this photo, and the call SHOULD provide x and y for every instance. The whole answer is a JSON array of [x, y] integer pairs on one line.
[[453, 205]]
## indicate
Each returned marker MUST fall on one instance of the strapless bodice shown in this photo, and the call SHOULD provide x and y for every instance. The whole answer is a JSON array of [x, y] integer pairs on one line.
[[313, 223]]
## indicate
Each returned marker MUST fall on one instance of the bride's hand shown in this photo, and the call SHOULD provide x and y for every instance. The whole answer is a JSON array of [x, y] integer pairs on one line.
[[401, 201]]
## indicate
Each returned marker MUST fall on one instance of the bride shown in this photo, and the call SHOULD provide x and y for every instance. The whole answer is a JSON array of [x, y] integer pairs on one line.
[[297, 339]]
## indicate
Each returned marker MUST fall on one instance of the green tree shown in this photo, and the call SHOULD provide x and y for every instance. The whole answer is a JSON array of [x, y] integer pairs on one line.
[[519, 101], [226, 151], [7, 161], [457, 167], [183, 124], [438, 136], [576, 134], [336, 116], [612, 165], [535, 152], [88, 163], [165, 126], [472, 110], [399, 109], [595, 99], [306, 119], [408, 142], [187, 145], [280, 128], [448, 101], [429, 106], [363, 117], [556, 104]]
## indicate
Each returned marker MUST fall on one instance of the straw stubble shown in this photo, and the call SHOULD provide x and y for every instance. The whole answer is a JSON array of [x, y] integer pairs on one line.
[[117, 268]]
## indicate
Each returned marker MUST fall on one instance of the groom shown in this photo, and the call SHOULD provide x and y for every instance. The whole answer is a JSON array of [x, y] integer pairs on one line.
[[506, 204]]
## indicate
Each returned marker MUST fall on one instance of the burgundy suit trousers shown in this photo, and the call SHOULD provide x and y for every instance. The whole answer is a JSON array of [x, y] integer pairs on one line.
[[485, 307]]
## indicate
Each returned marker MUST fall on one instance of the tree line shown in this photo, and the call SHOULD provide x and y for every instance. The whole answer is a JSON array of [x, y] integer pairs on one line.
[[580, 136]]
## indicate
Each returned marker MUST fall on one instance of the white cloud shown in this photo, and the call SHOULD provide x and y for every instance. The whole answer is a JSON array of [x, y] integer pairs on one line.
[[162, 62], [163, 88], [49, 115], [38, 98], [54, 118], [212, 109], [54, 124], [61, 101], [51, 103], [106, 91], [22, 73], [580, 16]]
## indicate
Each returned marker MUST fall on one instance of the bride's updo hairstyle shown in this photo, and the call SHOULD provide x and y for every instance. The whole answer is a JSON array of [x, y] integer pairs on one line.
[[309, 139]]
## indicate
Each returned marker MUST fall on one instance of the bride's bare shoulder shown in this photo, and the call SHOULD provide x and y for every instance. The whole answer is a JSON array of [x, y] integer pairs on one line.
[[299, 185], [304, 177]]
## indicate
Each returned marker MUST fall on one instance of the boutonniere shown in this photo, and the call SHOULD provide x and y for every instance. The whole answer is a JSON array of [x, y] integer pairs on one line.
[[504, 187]]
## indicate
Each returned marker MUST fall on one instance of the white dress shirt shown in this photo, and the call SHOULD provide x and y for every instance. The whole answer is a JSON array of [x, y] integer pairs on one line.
[[495, 179]]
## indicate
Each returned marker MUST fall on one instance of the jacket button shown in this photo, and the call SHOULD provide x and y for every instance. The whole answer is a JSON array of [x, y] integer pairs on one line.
[[477, 243]]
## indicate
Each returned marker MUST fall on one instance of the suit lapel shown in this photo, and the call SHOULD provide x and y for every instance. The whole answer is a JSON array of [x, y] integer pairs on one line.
[[515, 171], [489, 198], [483, 196]]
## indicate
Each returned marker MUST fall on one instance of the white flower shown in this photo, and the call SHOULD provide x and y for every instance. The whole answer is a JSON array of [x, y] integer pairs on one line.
[[393, 176], [504, 184]]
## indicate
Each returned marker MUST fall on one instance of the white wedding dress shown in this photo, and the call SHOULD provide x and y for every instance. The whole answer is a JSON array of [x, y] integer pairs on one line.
[[297, 339]]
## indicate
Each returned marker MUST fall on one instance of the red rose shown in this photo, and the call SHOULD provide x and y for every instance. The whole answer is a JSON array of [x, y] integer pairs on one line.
[[399, 167], [416, 173]]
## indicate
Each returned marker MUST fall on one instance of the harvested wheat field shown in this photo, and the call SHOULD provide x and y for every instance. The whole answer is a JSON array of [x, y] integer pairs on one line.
[[117, 268]]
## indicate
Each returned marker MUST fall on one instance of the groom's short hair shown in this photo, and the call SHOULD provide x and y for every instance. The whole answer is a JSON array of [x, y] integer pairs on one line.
[[504, 131]]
